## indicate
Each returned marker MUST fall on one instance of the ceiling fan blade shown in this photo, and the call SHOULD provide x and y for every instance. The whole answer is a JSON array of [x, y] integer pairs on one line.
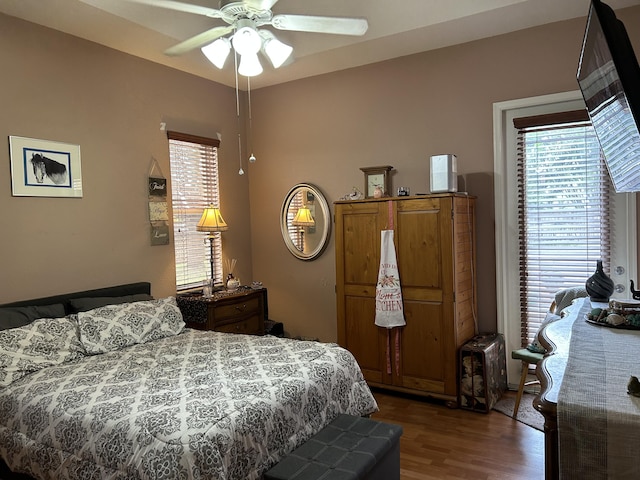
[[181, 7], [260, 4], [198, 41], [310, 23]]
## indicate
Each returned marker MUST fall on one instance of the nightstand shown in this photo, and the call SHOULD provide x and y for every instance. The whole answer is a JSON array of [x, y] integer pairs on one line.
[[241, 311]]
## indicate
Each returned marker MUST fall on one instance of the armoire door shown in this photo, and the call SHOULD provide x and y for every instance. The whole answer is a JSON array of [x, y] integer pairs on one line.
[[424, 252], [358, 228]]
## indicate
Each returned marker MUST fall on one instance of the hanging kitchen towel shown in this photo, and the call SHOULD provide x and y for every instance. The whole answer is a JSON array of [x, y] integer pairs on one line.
[[389, 311]]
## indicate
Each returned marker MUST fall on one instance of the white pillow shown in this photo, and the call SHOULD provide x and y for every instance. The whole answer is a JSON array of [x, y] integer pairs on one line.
[[113, 327], [43, 343]]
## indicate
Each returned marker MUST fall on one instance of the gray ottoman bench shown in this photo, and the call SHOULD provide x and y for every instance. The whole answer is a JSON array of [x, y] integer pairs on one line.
[[349, 448]]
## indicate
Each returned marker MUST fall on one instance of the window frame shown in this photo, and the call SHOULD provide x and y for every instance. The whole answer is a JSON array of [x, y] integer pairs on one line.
[[208, 194], [506, 221], [539, 229]]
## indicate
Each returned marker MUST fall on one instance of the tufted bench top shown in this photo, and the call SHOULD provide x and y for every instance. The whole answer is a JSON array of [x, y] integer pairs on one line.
[[349, 448]]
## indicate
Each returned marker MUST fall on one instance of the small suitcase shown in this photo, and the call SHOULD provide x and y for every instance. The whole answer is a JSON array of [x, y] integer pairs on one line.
[[483, 372]]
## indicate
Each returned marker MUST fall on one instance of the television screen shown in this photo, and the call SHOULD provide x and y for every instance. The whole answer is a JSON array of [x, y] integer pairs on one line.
[[609, 78]]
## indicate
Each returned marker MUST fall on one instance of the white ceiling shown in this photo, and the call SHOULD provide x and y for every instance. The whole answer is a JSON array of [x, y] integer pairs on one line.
[[396, 28]]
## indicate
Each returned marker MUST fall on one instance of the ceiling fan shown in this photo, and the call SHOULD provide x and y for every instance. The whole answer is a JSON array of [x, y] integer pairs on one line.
[[244, 18]]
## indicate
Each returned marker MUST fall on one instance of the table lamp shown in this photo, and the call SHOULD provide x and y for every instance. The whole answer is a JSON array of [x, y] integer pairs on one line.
[[212, 222]]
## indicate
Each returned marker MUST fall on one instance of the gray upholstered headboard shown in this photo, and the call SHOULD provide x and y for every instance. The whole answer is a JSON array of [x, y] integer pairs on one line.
[[116, 291]]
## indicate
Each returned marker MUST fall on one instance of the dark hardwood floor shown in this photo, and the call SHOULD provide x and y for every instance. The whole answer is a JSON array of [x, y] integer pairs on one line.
[[443, 443]]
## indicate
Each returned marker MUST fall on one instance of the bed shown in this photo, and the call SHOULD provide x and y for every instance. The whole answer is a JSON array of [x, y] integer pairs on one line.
[[118, 388]]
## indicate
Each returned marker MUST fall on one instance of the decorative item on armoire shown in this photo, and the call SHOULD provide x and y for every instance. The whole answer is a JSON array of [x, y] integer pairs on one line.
[[376, 181], [354, 194], [158, 211], [599, 286]]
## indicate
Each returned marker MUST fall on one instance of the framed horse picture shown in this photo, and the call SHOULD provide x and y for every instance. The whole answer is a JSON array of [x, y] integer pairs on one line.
[[44, 168]]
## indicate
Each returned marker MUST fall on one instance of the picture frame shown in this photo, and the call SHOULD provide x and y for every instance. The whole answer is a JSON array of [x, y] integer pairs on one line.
[[157, 187], [159, 234], [376, 177], [44, 168]]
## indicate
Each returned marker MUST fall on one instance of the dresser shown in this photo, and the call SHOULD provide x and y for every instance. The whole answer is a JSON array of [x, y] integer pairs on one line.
[[435, 247], [242, 311]]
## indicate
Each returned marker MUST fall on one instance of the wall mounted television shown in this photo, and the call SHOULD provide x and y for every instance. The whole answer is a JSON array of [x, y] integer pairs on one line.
[[609, 78]]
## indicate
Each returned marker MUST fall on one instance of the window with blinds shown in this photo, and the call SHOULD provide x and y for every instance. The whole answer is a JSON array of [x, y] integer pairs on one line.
[[194, 186], [563, 210]]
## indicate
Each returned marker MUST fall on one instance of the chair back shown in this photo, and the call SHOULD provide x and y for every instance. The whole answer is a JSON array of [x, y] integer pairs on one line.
[[566, 296]]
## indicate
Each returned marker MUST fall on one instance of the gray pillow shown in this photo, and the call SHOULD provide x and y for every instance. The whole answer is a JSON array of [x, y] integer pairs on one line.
[[14, 317], [89, 303]]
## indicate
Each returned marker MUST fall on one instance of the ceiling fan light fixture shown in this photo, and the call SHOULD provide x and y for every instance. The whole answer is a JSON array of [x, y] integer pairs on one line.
[[246, 40], [217, 52], [243, 17], [277, 51], [249, 65]]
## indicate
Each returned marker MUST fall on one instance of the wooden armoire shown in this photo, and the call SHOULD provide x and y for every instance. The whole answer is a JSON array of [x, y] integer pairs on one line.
[[435, 248]]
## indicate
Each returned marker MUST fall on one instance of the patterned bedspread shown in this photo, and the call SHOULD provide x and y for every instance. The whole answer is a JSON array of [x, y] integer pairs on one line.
[[198, 405]]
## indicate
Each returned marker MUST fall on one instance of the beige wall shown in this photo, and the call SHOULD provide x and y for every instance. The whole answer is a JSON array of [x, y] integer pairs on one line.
[[57, 87], [319, 130], [400, 112]]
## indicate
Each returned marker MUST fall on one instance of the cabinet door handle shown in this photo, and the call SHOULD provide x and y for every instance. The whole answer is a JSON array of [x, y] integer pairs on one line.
[[241, 308]]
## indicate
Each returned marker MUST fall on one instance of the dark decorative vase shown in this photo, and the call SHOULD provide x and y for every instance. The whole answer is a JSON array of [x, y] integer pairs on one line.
[[599, 286]]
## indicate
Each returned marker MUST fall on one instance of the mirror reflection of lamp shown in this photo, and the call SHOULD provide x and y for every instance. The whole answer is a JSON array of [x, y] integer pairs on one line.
[[303, 219], [212, 222]]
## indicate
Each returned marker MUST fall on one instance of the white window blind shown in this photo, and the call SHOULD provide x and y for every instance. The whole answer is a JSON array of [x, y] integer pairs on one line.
[[295, 232], [194, 179], [563, 205]]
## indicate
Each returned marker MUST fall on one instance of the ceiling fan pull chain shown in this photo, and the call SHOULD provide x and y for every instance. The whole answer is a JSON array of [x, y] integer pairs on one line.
[[252, 157], [235, 59]]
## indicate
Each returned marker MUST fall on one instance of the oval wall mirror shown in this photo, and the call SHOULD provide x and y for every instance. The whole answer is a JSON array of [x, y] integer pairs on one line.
[[305, 221]]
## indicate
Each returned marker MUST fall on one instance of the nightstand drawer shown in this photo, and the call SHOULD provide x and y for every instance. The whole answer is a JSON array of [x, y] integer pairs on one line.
[[237, 309], [247, 326]]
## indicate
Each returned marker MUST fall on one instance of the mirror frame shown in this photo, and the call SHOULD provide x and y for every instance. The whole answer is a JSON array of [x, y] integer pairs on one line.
[[326, 231]]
